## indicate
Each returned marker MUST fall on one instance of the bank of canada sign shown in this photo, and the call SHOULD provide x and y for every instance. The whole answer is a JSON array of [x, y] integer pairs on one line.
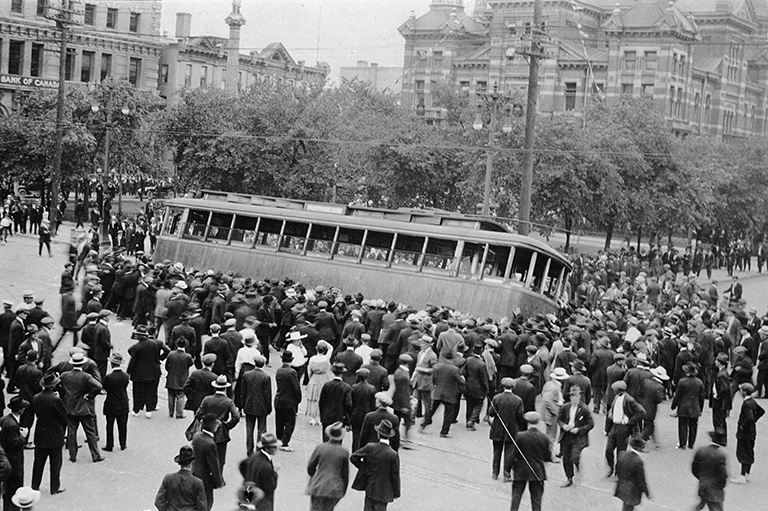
[[28, 81]]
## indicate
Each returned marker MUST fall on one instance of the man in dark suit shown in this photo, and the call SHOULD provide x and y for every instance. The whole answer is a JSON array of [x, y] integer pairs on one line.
[[374, 418], [102, 343], [602, 358], [328, 470], [476, 376], [12, 442], [116, 406], [378, 375], [80, 389], [220, 405], [688, 400], [532, 450], [144, 370], [177, 366], [255, 398], [287, 399], [524, 389], [49, 433], [258, 468], [746, 433], [182, 490], [506, 410], [16, 338], [578, 368], [351, 360], [219, 347], [378, 471], [614, 373], [206, 465], [448, 384], [335, 400], [575, 423], [653, 393], [621, 419], [630, 472], [710, 467], [198, 385], [720, 399], [363, 402]]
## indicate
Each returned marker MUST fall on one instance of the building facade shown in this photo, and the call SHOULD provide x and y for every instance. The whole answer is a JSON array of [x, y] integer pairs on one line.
[[704, 63], [384, 79], [201, 61], [119, 39]]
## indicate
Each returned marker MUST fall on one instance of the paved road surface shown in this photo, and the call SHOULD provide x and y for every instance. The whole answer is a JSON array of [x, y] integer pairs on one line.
[[441, 474]]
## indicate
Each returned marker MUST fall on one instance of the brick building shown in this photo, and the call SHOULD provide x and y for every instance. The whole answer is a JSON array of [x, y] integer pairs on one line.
[[704, 63]]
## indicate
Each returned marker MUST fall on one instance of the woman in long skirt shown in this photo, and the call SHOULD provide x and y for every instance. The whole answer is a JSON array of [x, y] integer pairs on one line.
[[319, 370]]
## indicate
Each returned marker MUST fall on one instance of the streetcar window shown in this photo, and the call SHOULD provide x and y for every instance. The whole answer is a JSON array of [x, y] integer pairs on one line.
[[172, 228], [294, 235], [349, 243], [496, 263], [243, 232], [269, 232], [538, 282], [321, 239], [377, 247], [520, 264], [471, 259], [439, 256], [219, 228], [408, 251], [196, 223]]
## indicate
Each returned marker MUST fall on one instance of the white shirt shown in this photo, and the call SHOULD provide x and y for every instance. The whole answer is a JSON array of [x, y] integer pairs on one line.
[[299, 354], [245, 355], [365, 353], [619, 417]]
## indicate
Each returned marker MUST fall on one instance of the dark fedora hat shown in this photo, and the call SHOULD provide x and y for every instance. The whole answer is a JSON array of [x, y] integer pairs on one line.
[[186, 454], [17, 403], [210, 422], [50, 380], [385, 429], [339, 368]]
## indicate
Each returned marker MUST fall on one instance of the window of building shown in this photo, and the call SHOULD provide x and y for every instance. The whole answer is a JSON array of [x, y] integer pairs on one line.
[[570, 96], [679, 103], [17, 6], [630, 60], [646, 89], [598, 88], [204, 76], [697, 107], [627, 89], [188, 76], [464, 88], [527, 28], [419, 84], [481, 86], [42, 7], [133, 25], [707, 107], [15, 57], [69, 69], [86, 66], [36, 63], [650, 62], [241, 77], [681, 65], [511, 31], [134, 71], [106, 66], [111, 17], [90, 14], [163, 73], [437, 60]]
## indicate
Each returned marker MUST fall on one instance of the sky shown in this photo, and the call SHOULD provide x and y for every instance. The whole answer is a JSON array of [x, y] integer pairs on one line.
[[348, 30]]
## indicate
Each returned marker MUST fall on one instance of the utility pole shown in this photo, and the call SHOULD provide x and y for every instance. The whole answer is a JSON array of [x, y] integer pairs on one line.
[[63, 22], [524, 215]]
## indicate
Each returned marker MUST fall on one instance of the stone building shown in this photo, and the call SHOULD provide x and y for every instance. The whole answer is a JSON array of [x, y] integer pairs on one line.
[[118, 39], [704, 63]]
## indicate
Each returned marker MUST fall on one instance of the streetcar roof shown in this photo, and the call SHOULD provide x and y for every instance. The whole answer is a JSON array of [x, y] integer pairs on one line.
[[334, 214]]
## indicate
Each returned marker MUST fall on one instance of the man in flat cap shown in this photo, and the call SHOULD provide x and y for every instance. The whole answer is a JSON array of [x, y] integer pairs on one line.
[[506, 411], [532, 450], [622, 418]]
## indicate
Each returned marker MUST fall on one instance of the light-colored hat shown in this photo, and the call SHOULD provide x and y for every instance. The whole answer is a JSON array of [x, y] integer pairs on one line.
[[296, 336], [559, 373], [221, 382], [25, 497], [660, 373]]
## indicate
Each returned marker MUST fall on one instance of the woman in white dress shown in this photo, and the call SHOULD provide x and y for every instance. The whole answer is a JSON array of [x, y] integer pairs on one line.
[[319, 370]]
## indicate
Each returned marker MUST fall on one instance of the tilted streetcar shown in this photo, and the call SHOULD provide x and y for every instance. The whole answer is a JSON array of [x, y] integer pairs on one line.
[[414, 256]]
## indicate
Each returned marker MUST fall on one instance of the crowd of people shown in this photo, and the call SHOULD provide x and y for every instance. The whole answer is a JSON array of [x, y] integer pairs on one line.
[[635, 331]]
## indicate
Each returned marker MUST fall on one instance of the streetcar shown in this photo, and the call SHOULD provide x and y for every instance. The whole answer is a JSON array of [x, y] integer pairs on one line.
[[414, 256]]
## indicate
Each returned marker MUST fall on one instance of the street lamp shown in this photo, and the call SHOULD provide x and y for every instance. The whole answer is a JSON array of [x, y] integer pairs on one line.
[[125, 110], [493, 101]]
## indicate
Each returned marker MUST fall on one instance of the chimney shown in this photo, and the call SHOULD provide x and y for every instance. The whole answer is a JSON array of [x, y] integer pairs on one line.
[[374, 64], [362, 63], [183, 25]]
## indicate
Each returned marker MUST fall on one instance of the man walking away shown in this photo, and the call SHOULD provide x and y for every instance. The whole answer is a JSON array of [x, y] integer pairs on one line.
[[630, 472], [378, 473], [116, 406], [532, 450], [206, 464], [746, 432], [177, 366], [710, 467], [328, 470], [182, 490], [12, 442], [259, 469], [49, 433], [80, 390]]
